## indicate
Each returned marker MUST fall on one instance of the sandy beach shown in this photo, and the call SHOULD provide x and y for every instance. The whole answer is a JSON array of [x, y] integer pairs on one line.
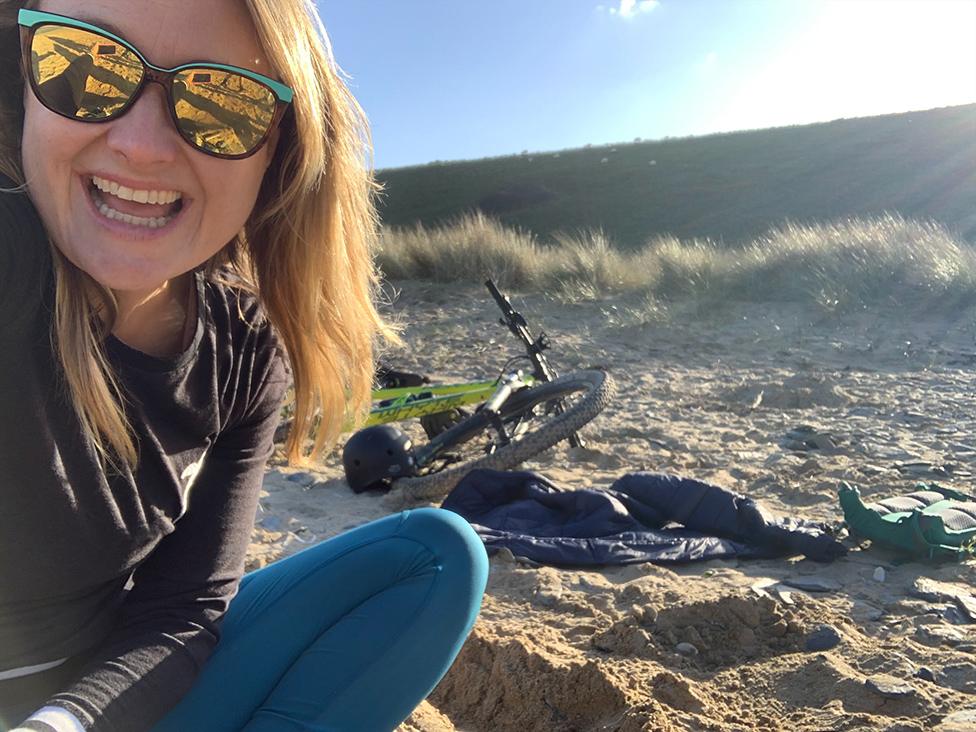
[[709, 393]]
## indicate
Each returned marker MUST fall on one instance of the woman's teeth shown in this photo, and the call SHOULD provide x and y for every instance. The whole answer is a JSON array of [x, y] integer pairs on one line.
[[153, 223], [153, 197], [139, 196]]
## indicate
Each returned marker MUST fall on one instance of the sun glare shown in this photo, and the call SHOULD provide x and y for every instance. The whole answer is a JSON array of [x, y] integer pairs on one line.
[[862, 58]]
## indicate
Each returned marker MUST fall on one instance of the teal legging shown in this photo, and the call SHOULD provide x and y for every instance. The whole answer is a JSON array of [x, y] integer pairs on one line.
[[349, 634]]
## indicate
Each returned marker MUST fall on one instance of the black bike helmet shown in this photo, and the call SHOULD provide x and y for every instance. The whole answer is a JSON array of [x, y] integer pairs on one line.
[[375, 456]]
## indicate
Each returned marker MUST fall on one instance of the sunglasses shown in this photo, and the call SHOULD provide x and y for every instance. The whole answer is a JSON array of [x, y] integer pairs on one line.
[[85, 73]]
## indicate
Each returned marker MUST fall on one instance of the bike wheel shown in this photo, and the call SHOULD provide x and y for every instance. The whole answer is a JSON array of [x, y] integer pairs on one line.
[[584, 395]]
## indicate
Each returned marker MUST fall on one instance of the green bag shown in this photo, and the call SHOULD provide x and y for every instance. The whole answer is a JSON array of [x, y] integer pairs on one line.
[[933, 522]]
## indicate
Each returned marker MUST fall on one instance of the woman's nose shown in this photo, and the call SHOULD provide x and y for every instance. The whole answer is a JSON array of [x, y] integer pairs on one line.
[[145, 134]]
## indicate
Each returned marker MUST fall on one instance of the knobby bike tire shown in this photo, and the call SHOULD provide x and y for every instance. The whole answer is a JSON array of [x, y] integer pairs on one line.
[[599, 387]]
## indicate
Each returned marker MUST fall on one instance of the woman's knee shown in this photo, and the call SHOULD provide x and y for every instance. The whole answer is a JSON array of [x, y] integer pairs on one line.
[[456, 547]]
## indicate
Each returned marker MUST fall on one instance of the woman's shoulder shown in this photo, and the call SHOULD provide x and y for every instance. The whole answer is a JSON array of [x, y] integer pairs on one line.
[[235, 310], [248, 348]]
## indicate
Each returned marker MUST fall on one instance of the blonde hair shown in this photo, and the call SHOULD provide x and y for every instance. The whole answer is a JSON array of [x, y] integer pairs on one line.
[[305, 251]]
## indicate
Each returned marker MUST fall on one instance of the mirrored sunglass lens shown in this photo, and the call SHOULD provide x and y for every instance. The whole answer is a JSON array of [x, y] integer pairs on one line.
[[83, 74], [222, 112]]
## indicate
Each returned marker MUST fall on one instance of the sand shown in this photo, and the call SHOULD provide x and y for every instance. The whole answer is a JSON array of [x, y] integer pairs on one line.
[[709, 393]]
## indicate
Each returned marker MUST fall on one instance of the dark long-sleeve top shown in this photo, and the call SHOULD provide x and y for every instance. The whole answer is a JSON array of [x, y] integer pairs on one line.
[[73, 535]]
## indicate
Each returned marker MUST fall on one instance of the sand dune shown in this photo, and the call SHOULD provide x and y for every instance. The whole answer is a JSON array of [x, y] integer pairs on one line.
[[727, 397]]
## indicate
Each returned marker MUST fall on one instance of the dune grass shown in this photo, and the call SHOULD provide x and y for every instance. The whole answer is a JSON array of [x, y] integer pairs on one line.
[[883, 261]]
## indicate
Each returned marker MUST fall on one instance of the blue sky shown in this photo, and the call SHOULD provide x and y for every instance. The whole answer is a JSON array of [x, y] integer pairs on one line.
[[461, 79]]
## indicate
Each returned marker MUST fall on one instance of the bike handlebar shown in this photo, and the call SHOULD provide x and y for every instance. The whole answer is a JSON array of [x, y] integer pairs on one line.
[[515, 321], [520, 329]]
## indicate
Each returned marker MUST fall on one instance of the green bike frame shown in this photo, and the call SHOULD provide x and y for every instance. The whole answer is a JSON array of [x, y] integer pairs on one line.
[[412, 402]]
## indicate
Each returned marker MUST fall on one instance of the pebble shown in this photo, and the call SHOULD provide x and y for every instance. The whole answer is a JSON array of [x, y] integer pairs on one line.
[[505, 555], [305, 480], [879, 574], [271, 523], [746, 637], [644, 615], [939, 635], [823, 638], [866, 611], [548, 598], [926, 674], [962, 721], [872, 470], [785, 596], [967, 604], [922, 470], [813, 584], [930, 590], [954, 615], [686, 649], [806, 437], [889, 687]]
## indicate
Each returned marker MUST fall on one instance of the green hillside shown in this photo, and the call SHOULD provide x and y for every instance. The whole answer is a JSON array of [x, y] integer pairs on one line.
[[729, 187]]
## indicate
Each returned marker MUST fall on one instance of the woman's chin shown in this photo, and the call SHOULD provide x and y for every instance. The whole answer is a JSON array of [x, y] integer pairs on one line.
[[120, 273]]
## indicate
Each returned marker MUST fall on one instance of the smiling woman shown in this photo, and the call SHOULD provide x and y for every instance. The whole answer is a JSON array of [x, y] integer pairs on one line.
[[186, 223]]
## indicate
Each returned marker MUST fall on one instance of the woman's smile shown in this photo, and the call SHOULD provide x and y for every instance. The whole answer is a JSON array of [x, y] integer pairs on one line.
[[134, 209]]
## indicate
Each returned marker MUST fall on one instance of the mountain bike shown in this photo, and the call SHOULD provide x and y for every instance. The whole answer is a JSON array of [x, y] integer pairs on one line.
[[517, 415]]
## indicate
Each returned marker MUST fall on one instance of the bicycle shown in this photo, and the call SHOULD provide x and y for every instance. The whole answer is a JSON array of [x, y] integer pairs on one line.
[[519, 414]]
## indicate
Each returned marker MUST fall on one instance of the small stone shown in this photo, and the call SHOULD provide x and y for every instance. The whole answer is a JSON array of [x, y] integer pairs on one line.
[[271, 523], [930, 590], [922, 470], [954, 615], [963, 720], [305, 480], [505, 555], [809, 466], [806, 437], [926, 674], [691, 635], [879, 574], [747, 612], [548, 598], [821, 442], [686, 649], [779, 628], [746, 637], [889, 687], [650, 616], [813, 583], [823, 638], [865, 611], [937, 635], [967, 604], [785, 596]]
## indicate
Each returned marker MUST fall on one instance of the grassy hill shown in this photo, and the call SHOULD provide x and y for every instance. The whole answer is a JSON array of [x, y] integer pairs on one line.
[[729, 187]]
